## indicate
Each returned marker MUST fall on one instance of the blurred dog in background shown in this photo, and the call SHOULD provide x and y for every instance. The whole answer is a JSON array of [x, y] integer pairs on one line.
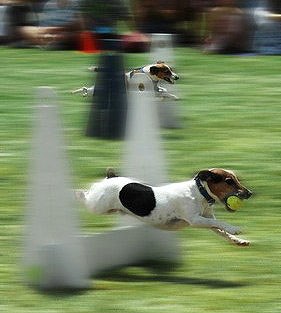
[[156, 72]]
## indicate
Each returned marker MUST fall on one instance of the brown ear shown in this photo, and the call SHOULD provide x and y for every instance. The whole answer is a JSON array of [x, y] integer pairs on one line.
[[160, 62], [153, 70], [207, 175]]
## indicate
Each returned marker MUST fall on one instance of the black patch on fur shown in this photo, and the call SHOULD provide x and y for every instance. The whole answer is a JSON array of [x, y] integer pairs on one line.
[[138, 198]]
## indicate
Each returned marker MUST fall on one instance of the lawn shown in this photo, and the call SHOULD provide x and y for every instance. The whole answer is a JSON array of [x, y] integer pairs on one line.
[[230, 111]]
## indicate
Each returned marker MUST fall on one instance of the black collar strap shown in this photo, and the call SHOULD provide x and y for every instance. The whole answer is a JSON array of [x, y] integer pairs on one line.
[[204, 192]]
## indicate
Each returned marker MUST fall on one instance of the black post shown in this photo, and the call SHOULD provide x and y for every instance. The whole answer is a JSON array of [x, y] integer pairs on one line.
[[107, 117]]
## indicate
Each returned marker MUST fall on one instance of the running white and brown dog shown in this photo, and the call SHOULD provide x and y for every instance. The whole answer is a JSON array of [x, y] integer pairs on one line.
[[173, 206], [156, 72]]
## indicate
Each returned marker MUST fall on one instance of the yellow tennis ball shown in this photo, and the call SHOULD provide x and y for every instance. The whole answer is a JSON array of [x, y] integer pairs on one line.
[[234, 202]]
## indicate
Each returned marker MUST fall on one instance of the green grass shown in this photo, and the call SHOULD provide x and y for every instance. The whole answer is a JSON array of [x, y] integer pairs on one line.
[[231, 116]]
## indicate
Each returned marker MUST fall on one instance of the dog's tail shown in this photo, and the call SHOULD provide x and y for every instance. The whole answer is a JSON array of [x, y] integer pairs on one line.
[[80, 195], [110, 173]]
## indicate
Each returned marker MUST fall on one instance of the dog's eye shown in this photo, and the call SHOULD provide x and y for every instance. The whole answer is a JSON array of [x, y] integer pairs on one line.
[[230, 181]]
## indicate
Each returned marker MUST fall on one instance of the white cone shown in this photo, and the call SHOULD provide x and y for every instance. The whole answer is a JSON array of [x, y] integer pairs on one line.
[[143, 157], [162, 48], [168, 109], [144, 160], [53, 256]]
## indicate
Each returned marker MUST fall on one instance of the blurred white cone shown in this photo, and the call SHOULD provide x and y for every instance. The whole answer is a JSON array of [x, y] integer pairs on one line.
[[53, 256], [168, 109], [144, 160], [162, 48], [143, 157]]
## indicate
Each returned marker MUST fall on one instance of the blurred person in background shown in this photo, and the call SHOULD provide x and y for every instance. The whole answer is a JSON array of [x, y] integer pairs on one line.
[[227, 29], [194, 19], [58, 27], [268, 34], [4, 21], [17, 14], [185, 18], [158, 16], [103, 17]]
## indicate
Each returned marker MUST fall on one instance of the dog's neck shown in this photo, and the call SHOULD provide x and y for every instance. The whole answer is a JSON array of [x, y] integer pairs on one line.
[[204, 191], [210, 192]]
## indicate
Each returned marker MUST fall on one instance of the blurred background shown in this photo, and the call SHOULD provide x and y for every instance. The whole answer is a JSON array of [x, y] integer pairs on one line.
[[223, 26], [227, 55]]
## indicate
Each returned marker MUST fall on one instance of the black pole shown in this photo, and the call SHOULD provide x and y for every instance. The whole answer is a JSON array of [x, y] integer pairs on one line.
[[107, 117]]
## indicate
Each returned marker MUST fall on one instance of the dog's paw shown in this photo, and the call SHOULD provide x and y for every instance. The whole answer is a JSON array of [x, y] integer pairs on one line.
[[93, 68], [83, 90], [175, 97], [234, 230], [242, 242], [73, 92], [171, 96]]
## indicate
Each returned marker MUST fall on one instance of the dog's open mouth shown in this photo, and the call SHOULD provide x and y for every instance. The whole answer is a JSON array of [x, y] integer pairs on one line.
[[169, 80]]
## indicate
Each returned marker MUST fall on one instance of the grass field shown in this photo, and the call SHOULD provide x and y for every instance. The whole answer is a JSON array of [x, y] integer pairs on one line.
[[231, 115]]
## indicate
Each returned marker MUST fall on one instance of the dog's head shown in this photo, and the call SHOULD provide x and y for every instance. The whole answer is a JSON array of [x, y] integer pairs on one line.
[[222, 183], [163, 71]]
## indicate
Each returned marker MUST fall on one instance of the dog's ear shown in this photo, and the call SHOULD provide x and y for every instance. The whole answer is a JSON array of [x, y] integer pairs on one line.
[[153, 70], [160, 62], [209, 176]]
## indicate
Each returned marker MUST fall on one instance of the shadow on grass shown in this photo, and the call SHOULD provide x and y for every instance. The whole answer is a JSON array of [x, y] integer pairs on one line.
[[134, 278], [210, 283], [64, 292]]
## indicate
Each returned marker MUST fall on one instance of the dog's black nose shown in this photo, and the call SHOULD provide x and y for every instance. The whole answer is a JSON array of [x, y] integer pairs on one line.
[[176, 77], [249, 194], [246, 194]]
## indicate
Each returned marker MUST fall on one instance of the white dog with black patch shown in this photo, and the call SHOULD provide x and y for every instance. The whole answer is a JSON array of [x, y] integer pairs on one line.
[[172, 206]]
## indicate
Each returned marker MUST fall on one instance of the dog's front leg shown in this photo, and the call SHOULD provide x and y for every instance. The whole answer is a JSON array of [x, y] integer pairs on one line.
[[163, 92], [226, 235], [203, 222], [93, 68], [233, 239], [171, 96]]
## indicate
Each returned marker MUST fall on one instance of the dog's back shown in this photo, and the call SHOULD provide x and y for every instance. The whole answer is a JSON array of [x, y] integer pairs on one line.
[[104, 195]]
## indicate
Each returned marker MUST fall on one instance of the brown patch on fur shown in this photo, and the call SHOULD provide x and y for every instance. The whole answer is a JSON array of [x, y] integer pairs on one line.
[[161, 70]]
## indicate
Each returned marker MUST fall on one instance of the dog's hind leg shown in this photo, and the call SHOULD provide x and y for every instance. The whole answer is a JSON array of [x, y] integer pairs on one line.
[[85, 91]]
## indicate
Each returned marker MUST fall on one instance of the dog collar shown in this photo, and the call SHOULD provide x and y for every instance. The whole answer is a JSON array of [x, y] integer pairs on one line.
[[204, 192]]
